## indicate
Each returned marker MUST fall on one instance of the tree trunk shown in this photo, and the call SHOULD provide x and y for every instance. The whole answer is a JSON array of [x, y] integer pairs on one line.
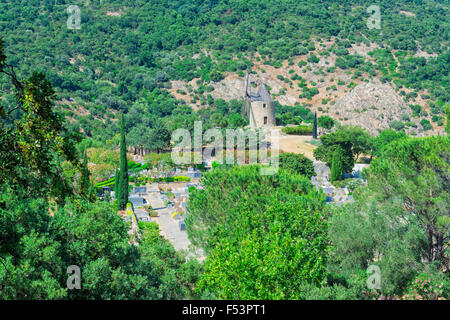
[[439, 247], [430, 244]]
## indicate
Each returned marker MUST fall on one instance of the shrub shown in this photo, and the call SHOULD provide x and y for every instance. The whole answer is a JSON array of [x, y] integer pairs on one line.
[[297, 163], [106, 183], [436, 118], [299, 130], [354, 184], [405, 117], [426, 124], [149, 227], [416, 109], [181, 179], [325, 122], [397, 125], [302, 63], [425, 287]]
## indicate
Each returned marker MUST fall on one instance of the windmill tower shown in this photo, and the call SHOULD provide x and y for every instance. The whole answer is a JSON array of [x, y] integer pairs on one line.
[[258, 106]]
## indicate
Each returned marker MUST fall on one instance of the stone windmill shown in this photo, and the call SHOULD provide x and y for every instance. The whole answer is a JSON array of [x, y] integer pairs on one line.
[[258, 106]]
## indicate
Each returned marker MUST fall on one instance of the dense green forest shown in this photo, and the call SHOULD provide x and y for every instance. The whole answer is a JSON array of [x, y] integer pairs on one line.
[[125, 61], [50, 220], [265, 237]]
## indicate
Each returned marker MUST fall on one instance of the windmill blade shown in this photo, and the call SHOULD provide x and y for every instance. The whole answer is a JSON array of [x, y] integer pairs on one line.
[[246, 104]]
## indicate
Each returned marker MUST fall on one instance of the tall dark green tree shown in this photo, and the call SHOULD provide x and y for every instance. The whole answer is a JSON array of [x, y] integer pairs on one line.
[[315, 126], [122, 196], [337, 167]]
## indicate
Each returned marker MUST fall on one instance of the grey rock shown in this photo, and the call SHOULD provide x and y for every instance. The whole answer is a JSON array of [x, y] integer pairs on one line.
[[372, 106]]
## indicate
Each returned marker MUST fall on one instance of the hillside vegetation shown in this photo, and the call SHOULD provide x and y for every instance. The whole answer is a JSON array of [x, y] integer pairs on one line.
[[128, 53], [161, 65]]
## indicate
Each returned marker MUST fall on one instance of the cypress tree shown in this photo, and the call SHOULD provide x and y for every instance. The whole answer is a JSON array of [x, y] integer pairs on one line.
[[315, 126], [122, 198], [337, 168]]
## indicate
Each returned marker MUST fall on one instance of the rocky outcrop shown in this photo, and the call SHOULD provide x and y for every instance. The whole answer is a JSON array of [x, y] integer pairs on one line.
[[372, 106]]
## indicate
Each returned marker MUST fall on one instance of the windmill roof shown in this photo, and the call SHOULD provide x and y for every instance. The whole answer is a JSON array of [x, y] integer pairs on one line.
[[262, 94]]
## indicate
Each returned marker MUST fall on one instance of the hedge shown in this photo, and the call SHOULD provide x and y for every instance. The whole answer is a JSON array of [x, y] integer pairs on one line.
[[143, 180], [106, 183], [172, 179], [299, 130]]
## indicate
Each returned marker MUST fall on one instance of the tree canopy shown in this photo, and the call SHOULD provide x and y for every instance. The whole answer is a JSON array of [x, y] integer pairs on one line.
[[400, 220], [47, 224], [264, 235], [353, 141], [297, 163]]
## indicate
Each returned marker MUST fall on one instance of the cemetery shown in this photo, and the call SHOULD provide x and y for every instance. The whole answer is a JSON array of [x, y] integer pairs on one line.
[[342, 193]]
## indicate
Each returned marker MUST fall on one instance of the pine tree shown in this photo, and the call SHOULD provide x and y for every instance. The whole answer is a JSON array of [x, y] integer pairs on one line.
[[122, 197], [337, 168]]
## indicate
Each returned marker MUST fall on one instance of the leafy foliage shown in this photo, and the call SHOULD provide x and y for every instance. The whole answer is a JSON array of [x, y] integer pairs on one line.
[[416, 170], [46, 225], [325, 122], [353, 141], [260, 247], [337, 168], [400, 221], [298, 130], [122, 195], [385, 137], [297, 163]]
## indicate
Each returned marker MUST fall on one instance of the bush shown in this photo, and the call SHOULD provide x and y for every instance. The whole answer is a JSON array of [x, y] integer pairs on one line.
[[397, 125], [172, 179], [302, 63], [416, 109], [426, 124], [354, 184], [428, 287], [181, 179], [107, 183], [297, 163], [325, 122], [149, 227], [299, 130], [405, 117]]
